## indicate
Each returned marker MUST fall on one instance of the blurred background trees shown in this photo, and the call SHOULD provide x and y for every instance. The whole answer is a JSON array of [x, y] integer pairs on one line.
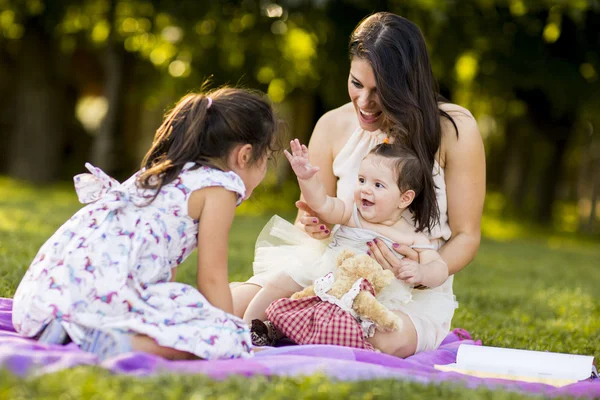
[[91, 79]]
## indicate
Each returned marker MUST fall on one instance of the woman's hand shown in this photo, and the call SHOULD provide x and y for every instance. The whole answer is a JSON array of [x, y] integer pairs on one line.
[[311, 223], [379, 251], [422, 270]]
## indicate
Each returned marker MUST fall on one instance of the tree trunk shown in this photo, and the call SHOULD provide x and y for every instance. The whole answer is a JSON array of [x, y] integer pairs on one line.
[[37, 140], [550, 179], [557, 128], [524, 184], [594, 199], [106, 150], [516, 163], [511, 161], [588, 189], [7, 107]]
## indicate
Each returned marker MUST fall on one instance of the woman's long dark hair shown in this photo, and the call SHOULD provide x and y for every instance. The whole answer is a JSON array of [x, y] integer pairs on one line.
[[408, 93], [203, 128]]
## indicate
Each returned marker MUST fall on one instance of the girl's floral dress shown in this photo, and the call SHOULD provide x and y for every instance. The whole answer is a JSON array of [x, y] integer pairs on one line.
[[109, 267]]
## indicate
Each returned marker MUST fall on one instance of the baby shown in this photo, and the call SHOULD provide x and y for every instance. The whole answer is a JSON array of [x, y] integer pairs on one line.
[[389, 182]]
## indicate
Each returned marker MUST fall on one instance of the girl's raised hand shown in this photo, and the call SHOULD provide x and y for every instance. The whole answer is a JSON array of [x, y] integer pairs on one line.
[[299, 160]]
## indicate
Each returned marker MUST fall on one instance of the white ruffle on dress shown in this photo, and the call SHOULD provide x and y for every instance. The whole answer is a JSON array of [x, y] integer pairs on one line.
[[109, 268], [284, 248]]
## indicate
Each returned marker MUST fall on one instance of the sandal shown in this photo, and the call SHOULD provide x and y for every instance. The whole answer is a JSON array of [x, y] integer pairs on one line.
[[264, 333], [54, 333]]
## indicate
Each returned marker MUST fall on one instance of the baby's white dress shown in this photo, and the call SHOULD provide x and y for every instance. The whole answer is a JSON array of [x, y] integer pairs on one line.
[[284, 248]]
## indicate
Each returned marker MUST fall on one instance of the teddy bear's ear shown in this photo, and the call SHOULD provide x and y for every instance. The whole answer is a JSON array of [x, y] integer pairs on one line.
[[343, 256]]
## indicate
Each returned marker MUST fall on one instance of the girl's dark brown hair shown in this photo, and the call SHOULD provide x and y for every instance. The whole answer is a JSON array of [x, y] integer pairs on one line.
[[407, 89], [412, 175], [194, 131]]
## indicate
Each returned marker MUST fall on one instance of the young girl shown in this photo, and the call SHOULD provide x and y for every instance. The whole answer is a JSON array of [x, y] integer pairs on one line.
[[106, 277], [390, 182]]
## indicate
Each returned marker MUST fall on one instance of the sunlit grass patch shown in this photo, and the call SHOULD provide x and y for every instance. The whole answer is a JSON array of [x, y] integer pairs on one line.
[[523, 294], [89, 382]]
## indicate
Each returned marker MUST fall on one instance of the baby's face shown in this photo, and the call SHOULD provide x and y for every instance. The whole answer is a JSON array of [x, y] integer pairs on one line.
[[377, 195]]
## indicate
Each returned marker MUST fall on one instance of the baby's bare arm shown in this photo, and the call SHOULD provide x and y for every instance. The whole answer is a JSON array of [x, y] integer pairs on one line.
[[434, 270], [329, 209]]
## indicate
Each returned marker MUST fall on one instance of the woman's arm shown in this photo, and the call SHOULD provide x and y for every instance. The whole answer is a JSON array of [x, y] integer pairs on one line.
[[464, 170], [215, 208]]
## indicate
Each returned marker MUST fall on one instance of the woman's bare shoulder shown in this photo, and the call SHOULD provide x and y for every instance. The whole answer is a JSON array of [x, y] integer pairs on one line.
[[459, 114], [468, 137], [463, 119], [335, 126]]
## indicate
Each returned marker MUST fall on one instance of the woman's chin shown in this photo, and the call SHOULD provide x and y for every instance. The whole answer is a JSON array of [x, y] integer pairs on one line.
[[369, 128], [369, 125]]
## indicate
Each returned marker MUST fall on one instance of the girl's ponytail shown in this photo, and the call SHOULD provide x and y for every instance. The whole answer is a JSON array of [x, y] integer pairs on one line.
[[180, 133]]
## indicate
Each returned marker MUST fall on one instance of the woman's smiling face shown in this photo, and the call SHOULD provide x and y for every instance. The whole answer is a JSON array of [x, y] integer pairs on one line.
[[363, 94]]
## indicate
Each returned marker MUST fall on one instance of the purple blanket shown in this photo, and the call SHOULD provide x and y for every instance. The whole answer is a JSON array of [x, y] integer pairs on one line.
[[22, 356]]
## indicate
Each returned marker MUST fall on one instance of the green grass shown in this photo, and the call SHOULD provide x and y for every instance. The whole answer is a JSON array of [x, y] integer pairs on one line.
[[92, 382], [526, 289]]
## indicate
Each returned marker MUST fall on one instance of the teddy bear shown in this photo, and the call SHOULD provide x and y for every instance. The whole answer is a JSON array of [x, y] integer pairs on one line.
[[351, 268], [340, 308]]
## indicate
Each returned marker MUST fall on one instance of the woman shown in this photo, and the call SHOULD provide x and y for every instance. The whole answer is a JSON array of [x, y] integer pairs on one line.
[[393, 93]]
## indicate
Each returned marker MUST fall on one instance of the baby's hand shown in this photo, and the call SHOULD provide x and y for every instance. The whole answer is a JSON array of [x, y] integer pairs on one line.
[[410, 272], [432, 274], [299, 160]]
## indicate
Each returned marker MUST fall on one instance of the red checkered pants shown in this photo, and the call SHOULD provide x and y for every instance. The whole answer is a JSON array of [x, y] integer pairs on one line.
[[313, 321]]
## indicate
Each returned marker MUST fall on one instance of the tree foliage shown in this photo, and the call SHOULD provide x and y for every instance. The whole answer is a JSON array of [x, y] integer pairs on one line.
[[527, 69]]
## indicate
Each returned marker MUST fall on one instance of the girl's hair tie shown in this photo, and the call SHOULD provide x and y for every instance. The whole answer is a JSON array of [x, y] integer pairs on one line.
[[209, 102], [386, 140]]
